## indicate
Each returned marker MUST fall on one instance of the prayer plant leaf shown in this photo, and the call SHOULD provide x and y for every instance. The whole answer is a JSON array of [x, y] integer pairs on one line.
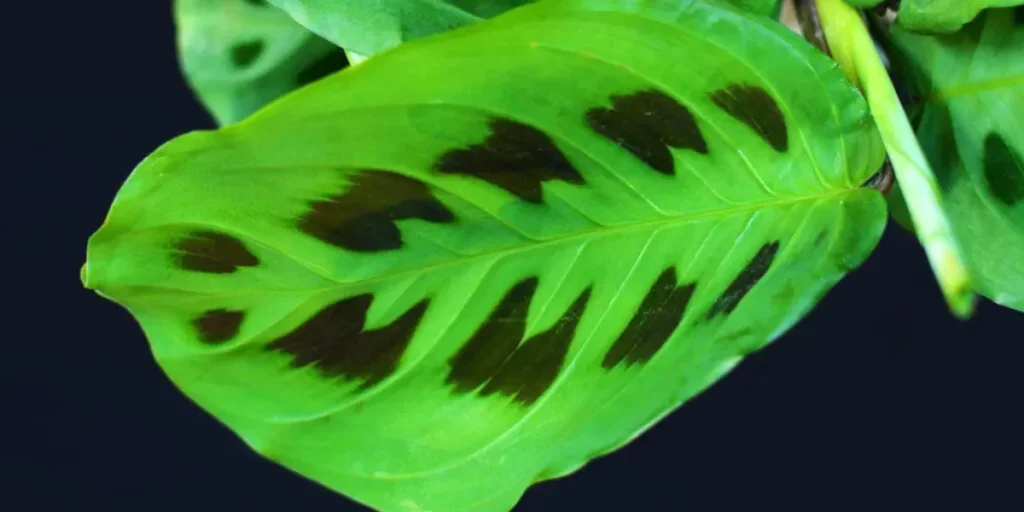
[[972, 130], [457, 269], [239, 55], [937, 16]]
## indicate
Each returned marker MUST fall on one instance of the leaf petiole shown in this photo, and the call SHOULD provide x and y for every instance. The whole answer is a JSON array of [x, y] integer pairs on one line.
[[855, 52]]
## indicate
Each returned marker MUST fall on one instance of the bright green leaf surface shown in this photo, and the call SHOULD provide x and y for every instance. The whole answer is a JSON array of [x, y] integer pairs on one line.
[[369, 27], [972, 129], [238, 55], [458, 268]]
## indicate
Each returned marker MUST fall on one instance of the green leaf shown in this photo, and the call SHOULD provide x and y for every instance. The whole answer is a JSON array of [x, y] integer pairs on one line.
[[938, 16], [972, 87], [944, 15], [458, 268], [762, 7], [239, 55], [369, 27]]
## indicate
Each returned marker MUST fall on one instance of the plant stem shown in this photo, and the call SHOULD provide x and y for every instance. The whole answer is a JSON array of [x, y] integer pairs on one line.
[[855, 52]]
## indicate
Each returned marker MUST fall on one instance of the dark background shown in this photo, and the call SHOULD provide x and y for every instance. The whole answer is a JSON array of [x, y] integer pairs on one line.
[[878, 400]]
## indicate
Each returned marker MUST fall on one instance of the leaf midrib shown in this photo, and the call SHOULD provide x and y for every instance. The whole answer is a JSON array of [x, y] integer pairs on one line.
[[600, 231]]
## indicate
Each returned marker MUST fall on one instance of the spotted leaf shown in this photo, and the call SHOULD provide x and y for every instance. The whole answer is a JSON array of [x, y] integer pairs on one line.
[[484, 258], [979, 159], [239, 55]]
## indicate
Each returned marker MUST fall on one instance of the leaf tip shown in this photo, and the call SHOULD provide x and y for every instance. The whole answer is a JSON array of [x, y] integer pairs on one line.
[[954, 280], [83, 274]]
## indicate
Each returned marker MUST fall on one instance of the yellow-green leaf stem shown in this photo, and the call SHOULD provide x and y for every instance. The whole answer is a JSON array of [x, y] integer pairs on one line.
[[856, 54]]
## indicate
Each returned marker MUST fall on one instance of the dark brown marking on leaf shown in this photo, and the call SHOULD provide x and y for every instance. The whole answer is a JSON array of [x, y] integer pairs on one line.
[[535, 364], [1004, 171], [321, 67], [820, 238], [245, 54], [651, 326], [213, 252], [218, 325], [745, 281], [754, 107], [335, 342], [494, 342], [257, 3], [363, 218], [646, 124], [516, 157]]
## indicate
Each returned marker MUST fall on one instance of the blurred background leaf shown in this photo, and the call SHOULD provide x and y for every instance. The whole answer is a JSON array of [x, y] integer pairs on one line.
[[936, 16], [368, 27], [239, 55], [969, 89]]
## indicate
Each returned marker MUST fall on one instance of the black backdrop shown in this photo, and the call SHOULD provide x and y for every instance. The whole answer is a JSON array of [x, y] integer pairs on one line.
[[879, 399]]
